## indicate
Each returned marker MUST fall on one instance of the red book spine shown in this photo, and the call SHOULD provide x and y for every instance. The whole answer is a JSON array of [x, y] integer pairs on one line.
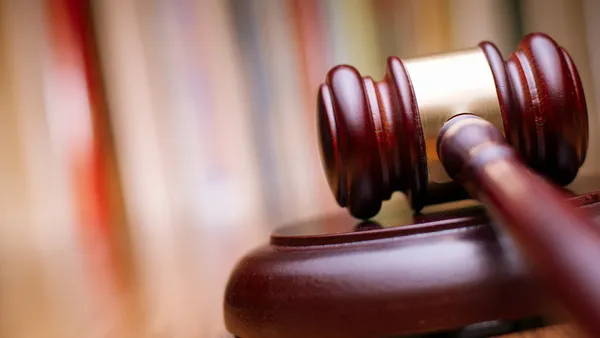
[[80, 112]]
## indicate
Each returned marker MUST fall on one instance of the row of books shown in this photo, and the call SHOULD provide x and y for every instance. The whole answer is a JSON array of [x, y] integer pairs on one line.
[[131, 125]]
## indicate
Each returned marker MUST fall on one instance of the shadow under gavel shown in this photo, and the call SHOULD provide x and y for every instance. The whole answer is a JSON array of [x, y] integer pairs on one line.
[[506, 132]]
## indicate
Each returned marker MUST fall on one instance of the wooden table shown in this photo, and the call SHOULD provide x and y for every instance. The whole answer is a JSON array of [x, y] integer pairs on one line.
[[562, 331]]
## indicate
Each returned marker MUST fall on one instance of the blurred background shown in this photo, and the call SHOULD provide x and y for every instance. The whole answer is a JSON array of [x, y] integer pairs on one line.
[[148, 144]]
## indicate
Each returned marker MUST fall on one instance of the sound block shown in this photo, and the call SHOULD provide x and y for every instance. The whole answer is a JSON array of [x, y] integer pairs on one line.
[[447, 271]]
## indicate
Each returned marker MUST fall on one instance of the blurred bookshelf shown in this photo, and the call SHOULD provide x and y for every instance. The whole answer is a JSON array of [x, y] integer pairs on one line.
[[147, 144]]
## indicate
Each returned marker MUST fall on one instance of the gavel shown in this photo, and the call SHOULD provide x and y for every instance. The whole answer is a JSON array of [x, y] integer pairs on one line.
[[509, 133]]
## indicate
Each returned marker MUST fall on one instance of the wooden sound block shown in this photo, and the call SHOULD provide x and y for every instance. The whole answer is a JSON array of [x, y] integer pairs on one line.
[[337, 277]]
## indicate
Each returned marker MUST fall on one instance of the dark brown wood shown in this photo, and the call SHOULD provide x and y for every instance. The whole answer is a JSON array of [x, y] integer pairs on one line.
[[543, 106], [337, 277], [371, 137], [363, 166], [560, 240]]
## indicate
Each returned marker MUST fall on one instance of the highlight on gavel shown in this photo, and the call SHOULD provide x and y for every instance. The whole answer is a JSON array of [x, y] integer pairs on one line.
[[508, 132]]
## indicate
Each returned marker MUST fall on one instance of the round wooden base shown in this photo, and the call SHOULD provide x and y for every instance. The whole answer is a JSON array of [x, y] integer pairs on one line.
[[336, 277]]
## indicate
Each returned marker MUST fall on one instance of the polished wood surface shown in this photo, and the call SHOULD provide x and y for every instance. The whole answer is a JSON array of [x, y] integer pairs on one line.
[[332, 277], [557, 331], [372, 133], [543, 106], [337, 277], [561, 241]]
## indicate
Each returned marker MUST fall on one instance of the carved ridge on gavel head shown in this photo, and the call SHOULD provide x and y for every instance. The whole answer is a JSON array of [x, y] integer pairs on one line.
[[377, 137]]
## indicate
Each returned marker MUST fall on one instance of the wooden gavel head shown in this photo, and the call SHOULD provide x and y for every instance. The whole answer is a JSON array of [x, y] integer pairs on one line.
[[377, 137]]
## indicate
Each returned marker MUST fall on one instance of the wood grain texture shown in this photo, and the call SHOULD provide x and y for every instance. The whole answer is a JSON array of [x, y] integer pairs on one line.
[[560, 241], [557, 331]]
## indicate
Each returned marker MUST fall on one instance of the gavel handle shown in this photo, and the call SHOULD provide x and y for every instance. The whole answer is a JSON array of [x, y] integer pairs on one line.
[[559, 240]]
